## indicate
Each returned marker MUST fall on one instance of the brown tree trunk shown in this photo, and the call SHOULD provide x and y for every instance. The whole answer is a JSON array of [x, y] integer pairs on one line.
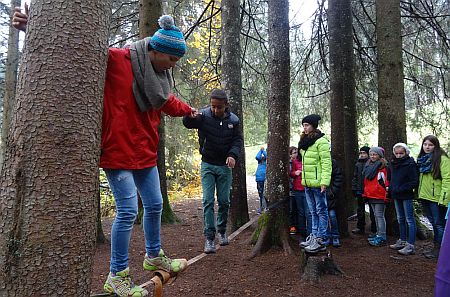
[[49, 185], [391, 96], [12, 62], [274, 228], [231, 76], [343, 106]]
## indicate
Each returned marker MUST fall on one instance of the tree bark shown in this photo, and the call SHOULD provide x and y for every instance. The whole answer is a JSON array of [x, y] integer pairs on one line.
[[343, 105], [277, 180], [12, 62], [231, 76], [49, 183], [391, 96]]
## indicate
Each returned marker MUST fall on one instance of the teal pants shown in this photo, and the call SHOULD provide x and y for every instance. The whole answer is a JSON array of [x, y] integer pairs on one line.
[[214, 178]]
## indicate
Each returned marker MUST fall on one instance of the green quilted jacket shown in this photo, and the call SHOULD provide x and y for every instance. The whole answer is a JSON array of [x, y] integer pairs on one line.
[[317, 164], [436, 190]]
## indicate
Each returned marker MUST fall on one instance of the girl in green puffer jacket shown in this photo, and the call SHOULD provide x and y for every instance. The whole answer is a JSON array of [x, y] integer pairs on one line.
[[316, 176], [434, 187]]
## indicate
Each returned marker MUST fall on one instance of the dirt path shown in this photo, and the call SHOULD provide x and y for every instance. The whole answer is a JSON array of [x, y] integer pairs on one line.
[[368, 271]]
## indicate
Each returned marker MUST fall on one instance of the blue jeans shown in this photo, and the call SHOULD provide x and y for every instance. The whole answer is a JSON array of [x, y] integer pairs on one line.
[[123, 184], [304, 218], [405, 216], [317, 204], [215, 177], [262, 200], [333, 227], [436, 215]]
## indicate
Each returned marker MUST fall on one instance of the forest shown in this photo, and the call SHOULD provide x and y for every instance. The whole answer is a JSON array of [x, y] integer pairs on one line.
[[377, 72]]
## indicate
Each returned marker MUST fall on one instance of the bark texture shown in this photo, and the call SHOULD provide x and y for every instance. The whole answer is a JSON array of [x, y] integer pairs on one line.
[[277, 179], [49, 184], [343, 106], [12, 62], [231, 77], [391, 96]]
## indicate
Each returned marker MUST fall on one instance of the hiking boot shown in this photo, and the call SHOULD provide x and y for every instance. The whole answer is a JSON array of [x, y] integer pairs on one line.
[[377, 241], [121, 285], [315, 246], [358, 231], [408, 249], [308, 241], [162, 262], [398, 245], [292, 230], [336, 242], [223, 239], [210, 248]]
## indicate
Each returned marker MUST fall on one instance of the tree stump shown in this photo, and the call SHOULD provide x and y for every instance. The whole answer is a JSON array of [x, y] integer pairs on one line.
[[316, 265]]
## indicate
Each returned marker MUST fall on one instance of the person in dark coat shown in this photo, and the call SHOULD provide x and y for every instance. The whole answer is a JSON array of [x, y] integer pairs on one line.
[[337, 178], [403, 177], [358, 189]]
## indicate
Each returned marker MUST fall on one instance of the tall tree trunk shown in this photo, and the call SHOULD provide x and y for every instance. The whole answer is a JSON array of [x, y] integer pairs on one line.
[[391, 96], [12, 61], [343, 106], [49, 183], [231, 75], [149, 12], [274, 228]]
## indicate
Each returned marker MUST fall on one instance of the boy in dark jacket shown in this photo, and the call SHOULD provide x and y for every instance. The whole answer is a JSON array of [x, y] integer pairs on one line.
[[220, 144], [358, 189], [337, 178]]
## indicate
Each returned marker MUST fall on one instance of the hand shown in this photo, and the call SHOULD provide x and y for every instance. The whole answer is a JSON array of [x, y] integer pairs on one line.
[[194, 113], [323, 188], [231, 162], [297, 172], [20, 20]]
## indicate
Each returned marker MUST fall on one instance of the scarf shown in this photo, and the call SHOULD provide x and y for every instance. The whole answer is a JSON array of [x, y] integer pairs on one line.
[[150, 88], [371, 169], [307, 141], [425, 163]]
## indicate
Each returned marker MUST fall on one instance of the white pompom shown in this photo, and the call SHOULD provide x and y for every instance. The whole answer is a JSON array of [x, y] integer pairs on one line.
[[166, 22]]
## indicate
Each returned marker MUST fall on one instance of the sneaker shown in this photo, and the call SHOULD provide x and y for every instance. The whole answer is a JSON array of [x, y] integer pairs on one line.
[[326, 242], [407, 250], [316, 246], [336, 242], [210, 248], [223, 239], [358, 231], [292, 230], [372, 236], [377, 241], [398, 245], [308, 241], [162, 262], [121, 285]]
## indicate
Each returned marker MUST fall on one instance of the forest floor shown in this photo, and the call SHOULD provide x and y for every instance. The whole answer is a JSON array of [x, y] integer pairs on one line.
[[367, 271]]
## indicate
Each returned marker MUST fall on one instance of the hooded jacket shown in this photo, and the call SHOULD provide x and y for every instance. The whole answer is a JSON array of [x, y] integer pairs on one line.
[[403, 178], [316, 161], [436, 190], [130, 137], [260, 174]]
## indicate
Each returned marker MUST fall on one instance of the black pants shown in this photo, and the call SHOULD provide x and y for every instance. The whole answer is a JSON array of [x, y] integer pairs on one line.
[[361, 213]]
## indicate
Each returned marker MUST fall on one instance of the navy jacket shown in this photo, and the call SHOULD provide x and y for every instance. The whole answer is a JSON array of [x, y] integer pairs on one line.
[[218, 138], [358, 177], [403, 178]]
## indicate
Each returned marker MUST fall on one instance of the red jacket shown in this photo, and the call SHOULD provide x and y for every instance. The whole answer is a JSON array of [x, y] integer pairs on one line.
[[297, 183], [130, 137], [374, 188]]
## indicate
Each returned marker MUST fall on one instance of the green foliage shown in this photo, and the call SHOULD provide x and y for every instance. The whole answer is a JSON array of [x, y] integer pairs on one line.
[[107, 203]]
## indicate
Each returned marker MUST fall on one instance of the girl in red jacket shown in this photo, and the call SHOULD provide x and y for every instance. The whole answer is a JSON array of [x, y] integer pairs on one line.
[[375, 185]]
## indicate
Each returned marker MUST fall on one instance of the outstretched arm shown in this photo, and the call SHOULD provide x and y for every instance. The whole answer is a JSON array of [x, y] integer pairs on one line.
[[20, 19]]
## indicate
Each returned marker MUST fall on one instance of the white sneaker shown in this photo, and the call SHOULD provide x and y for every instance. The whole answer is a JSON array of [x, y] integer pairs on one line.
[[308, 241], [407, 250], [315, 246], [398, 245]]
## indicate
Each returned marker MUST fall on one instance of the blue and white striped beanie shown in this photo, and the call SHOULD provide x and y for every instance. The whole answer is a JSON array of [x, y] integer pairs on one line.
[[169, 39]]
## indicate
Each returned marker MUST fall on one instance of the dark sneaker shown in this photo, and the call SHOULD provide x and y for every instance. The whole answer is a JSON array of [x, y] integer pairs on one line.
[[315, 246], [336, 242], [372, 236], [377, 241], [121, 285], [398, 245], [358, 231], [308, 241], [210, 248], [326, 242], [223, 239], [407, 250]]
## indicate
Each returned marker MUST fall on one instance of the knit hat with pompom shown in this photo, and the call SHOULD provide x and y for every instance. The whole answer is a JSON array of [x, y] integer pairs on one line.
[[169, 39]]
